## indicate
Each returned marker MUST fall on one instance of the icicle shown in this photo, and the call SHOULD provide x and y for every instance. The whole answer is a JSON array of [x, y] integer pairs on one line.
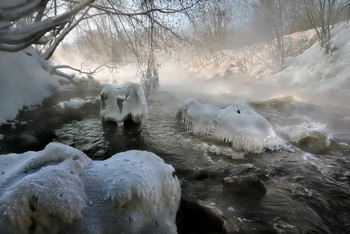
[[237, 124]]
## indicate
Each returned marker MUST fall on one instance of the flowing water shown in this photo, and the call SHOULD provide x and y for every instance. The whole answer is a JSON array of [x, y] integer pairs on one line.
[[301, 189]]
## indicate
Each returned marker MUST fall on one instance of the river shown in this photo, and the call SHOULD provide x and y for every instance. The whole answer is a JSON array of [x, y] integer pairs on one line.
[[301, 189]]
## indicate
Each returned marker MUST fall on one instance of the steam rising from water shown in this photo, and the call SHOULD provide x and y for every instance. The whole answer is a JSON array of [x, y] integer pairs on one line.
[[179, 77]]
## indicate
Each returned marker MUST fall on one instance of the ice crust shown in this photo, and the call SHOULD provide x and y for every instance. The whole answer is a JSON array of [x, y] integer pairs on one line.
[[133, 99], [237, 124], [61, 190], [199, 118]]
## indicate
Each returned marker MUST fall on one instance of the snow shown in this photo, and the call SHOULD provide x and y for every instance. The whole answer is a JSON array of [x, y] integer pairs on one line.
[[237, 124], [24, 81], [319, 73], [137, 187], [61, 190], [76, 103], [44, 187], [245, 129], [309, 73], [132, 103]]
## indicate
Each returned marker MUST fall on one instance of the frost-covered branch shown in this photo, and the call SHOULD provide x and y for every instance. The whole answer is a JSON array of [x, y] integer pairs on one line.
[[114, 11], [14, 12], [56, 68], [56, 41], [15, 39]]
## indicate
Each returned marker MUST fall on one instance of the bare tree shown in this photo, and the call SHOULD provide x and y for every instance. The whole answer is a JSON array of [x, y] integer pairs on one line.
[[48, 22], [272, 16], [323, 15]]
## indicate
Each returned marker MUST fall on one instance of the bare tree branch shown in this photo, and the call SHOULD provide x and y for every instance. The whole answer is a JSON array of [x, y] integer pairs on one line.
[[18, 11], [12, 40], [49, 52]]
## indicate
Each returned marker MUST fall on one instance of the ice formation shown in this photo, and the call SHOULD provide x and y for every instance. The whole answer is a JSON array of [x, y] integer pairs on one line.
[[199, 118], [61, 190], [237, 124], [120, 104]]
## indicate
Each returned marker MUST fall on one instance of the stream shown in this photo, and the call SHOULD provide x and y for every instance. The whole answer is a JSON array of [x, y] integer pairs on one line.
[[301, 189]]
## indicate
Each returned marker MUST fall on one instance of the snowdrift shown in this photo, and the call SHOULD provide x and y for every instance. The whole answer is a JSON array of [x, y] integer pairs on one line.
[[61, 190], [124, 103], [237, 124], [24, 80]]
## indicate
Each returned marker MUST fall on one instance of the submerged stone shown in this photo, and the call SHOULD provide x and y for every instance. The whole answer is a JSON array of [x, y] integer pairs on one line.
[[250, 187], [194, 217]]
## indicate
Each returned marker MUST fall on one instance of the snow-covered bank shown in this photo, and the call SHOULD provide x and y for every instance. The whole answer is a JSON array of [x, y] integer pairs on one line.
[[309, 73], [61, 190], [24, 81], [323, 73]]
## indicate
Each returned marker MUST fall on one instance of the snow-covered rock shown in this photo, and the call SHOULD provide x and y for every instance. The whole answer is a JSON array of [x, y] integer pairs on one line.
[[199, 118], [61, 190], [39, 191], [120, 104], [245, 129], [237, 124]]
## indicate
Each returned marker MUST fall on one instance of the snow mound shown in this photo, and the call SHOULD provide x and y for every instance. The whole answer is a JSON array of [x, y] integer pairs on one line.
[[42, 190], [61, 190], [237, 124], [24, 80], [120, 104], [140, 190]]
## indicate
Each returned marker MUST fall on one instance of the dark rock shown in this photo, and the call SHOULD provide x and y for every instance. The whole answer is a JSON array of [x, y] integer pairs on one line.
[[22, 143], [194, 217], [250, 187]]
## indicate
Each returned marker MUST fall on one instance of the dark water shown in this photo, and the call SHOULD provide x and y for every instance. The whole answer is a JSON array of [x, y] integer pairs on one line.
[[303, 189]]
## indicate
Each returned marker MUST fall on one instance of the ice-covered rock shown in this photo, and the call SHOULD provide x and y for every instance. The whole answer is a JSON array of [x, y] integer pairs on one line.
[[237, 124], [61, 190], [125, 103], [245, 129], [199, 118]]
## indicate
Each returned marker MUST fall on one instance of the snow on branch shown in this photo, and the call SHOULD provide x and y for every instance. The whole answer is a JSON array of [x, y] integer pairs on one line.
[[55, 69], [114, 11], [19, 38], [10, 12]]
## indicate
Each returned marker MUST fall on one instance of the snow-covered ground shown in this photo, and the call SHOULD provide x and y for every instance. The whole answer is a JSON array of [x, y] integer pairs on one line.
[[24, 81], [309, 73]]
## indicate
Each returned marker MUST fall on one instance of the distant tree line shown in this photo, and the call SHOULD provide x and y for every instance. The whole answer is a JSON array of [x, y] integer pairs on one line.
[[115, 28]]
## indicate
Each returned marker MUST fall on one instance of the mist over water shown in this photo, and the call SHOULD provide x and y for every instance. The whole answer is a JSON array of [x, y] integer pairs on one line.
[[304, 188]]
